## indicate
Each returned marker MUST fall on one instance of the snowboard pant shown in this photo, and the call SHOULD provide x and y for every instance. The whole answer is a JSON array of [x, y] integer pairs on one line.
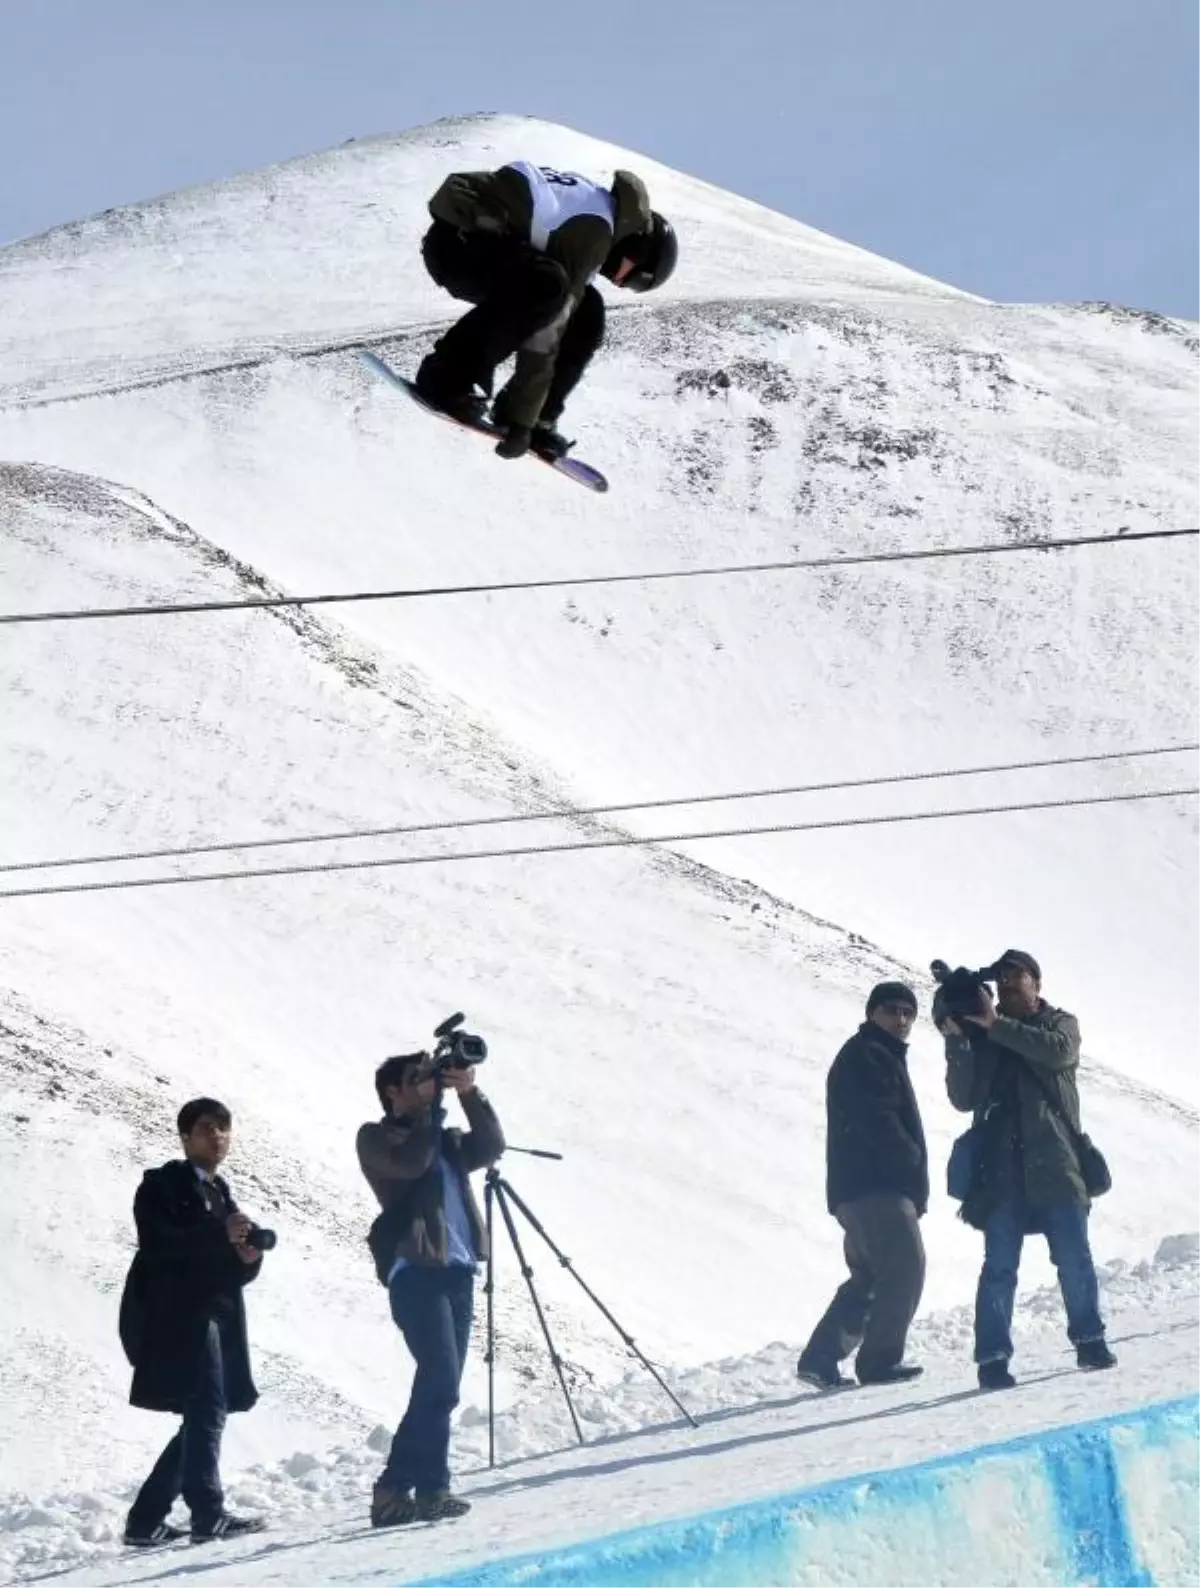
[[190, 1463], [1065, 1228], [516, 292], [432, 1308], [871, 1312]]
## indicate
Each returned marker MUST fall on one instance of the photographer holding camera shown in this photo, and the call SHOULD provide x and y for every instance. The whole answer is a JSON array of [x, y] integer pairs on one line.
[[183, 1326], [426, 1244], [1012, 1063]]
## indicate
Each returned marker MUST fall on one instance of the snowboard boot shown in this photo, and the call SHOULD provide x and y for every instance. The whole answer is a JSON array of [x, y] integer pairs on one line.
[[1094, 1355], [226, 1526], [514, 443], [897, 1373], [822, 1375], [517, 437], [152, 1537], [994, 1375], [392, 1507], [437, 386], [441, 1506], [548, 443]]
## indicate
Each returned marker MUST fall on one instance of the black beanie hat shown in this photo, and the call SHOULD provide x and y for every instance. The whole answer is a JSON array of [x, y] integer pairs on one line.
[[1018, 957], [891, 992]]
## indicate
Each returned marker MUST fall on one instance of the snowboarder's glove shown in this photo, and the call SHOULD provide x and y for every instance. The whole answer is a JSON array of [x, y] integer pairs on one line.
[[515, 443]]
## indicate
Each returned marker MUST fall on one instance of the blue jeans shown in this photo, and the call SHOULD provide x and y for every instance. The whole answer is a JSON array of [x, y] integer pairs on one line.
[[190, 1463], [1065, 1227], [432, 1308]]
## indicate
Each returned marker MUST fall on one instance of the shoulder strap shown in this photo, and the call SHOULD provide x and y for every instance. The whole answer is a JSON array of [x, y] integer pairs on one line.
[[1051, 1096]]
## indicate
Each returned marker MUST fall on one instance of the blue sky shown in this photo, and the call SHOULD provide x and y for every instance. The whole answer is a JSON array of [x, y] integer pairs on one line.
[[1030, 150]]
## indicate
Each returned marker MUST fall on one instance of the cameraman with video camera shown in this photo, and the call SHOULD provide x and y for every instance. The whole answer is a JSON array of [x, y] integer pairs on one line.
[[426, 1244], [1012, 1063]]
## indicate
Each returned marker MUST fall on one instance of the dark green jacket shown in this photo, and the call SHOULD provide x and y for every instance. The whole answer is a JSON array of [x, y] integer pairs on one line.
[[501, 202], [1026, 1149]]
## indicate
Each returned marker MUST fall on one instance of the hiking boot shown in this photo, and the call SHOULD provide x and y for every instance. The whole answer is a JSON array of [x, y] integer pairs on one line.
[[822, 1375], [1093, 1355], [994, 1375], [392, 1507], [436, 386], [226, 1526], [441, 1506], [152, 1537], [897, 1373]]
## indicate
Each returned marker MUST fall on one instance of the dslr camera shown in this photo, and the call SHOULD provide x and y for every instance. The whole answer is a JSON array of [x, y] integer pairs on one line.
[[454, 1049]]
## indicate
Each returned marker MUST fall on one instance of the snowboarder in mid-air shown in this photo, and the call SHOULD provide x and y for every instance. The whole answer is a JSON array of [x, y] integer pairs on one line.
[[523, 244]]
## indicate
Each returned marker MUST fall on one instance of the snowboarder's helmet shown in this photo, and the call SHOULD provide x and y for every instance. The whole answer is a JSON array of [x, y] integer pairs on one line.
[[644, 261]]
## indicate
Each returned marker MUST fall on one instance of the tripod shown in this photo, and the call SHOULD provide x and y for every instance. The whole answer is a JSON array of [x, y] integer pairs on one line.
[[497, 1190]]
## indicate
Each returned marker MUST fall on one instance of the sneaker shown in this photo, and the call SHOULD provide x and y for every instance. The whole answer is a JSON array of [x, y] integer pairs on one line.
[[994, 1375], [441, 1506], [436, 388], [154, 1537], [822, 1375], [227, 1526], [1094, 1355], [898, 1373], [392, 1507]]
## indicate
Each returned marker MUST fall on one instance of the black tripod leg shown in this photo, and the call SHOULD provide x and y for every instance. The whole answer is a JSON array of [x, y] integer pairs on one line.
[[501, 1187], [489, 1291], [569, 1266]]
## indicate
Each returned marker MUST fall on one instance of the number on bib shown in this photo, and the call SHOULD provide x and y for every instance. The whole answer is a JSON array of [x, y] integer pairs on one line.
[[558, 178]]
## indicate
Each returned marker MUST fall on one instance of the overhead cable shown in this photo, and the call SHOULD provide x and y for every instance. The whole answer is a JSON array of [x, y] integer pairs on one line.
[[617, 842], [266, 603], [570, 813]]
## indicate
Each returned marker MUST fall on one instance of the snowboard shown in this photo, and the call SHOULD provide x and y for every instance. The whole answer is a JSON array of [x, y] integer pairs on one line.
[[574, 468]]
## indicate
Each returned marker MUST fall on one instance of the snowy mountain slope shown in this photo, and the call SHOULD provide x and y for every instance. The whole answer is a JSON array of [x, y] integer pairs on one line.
[[333, 254], [283, 994], [757, 432], [642, 1007]]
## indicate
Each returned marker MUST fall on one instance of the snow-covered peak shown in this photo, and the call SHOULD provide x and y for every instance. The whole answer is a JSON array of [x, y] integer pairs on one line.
[[326, 245]]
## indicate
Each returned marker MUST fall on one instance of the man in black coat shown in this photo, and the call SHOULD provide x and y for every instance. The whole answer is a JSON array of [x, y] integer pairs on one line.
[[877, 1189], [183, 1327]]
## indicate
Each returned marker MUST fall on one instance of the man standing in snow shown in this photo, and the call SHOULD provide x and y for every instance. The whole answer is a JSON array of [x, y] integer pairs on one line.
[[523, 244], [183, 1326], [426, 1243], [1016, 1074], [877, 1189]]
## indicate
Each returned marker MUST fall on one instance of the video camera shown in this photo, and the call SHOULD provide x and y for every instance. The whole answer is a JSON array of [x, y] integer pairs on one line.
[[455, 1049], [960, 992]]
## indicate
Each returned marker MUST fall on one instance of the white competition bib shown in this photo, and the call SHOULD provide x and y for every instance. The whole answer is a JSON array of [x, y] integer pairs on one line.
[[558, 196]]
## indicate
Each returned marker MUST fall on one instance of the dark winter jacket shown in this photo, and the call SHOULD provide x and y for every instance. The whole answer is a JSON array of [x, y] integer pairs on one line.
[[501, 202], [400, 1160], [184, 1273], [1026, 1151], [875, 1141]]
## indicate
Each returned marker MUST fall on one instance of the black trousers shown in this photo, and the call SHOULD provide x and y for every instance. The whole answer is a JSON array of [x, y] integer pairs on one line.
[[190, 1464], [872, 1310], [516, 292]]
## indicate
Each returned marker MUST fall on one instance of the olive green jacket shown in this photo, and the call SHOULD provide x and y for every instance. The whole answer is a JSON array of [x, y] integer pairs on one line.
[[501, 202], [1025, 1147]]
